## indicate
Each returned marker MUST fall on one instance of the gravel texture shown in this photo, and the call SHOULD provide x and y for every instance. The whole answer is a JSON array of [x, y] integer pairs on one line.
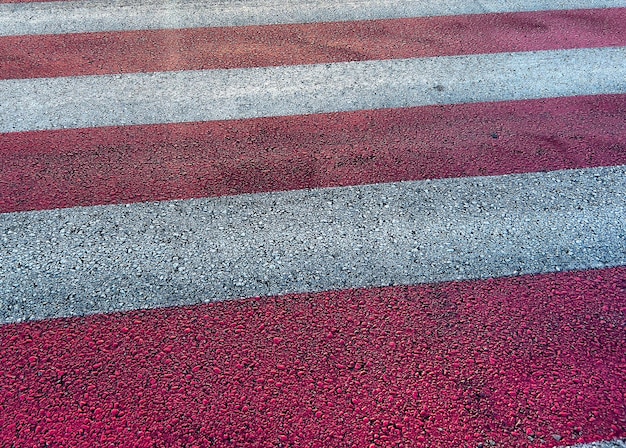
[[511, 362], [185, 96], [111, 258], [83, 167], [103, 15], [605, 444]]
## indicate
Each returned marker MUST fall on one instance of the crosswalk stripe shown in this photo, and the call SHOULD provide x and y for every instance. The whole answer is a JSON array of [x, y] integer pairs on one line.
[[123, 15], [380, 223], [111, 258], [515, 362], [81, 167], [256, 46], [166, 97]]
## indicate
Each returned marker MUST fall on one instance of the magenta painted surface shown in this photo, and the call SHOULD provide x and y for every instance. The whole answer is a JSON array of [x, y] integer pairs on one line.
[[257, 46], [448, 365], [52, 169]]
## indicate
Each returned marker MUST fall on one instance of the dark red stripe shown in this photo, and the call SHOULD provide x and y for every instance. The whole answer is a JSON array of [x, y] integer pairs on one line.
[[253, 46], [53, 169], [513, 360]]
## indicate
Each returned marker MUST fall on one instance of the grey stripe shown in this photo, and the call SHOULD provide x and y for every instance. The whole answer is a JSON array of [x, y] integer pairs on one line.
[[109, 258], [620, 443], [106, 15], [144, 98]]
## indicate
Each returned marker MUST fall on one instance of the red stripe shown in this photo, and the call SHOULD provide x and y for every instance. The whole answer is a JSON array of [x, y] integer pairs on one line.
[[509, 360], [253, 46], [53, 169]]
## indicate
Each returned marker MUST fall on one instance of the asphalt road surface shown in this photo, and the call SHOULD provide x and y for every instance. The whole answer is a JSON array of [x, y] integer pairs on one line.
[[310, 223]]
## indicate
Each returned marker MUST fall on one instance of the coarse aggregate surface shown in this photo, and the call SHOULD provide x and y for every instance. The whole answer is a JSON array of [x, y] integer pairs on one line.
[[88, 260], [205, 95], [56, 55], [604, 444], [83, 167], [450, 270], [64, 17], [511, 362]]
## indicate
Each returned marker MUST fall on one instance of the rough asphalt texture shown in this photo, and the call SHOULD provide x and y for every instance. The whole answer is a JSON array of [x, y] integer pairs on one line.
[[149, 98], [54, 55], [513, 362], [461, 361], [78, 17], [102, 259], [608, 444], [83, 167]]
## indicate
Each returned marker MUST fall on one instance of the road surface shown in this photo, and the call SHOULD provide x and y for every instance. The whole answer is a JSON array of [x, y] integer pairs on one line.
[[303, 223]]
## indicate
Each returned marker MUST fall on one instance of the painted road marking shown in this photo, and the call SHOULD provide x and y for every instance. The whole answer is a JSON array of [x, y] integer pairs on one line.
[[82, 167], [516, 361], [255, 46], [124, 15], [151, 98], [111, 258]]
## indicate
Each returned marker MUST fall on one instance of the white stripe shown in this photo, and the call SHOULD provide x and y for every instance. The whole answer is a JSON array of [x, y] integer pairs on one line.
[[150, 98], [618, 443], [112, 258], [103, 15]]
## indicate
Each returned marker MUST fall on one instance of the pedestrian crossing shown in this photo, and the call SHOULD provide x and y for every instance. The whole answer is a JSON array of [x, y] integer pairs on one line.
[[25, 18], [174, 167]]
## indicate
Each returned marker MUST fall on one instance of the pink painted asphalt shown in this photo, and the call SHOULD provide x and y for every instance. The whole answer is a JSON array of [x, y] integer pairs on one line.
[[52, 169], [254, 46], [513, 360]]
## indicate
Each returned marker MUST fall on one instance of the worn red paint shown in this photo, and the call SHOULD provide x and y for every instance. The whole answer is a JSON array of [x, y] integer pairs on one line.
[[513, 360], [272, 45], [79, 167]]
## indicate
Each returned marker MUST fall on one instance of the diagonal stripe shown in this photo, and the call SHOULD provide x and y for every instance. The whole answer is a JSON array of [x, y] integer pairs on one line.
[[76, 102], [27, 1], [124, 15], [523, 362], [239, 47], [605, 444], [52, 169], [103, 259], [534, 359]]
